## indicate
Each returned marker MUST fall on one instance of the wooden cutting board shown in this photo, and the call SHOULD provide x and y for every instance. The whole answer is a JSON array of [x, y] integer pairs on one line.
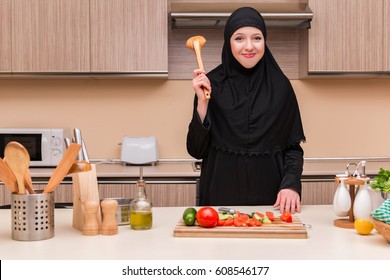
[[278, 229]]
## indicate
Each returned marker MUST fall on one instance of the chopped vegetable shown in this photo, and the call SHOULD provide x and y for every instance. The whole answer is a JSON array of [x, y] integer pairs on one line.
[[286, 217], [270, 215]]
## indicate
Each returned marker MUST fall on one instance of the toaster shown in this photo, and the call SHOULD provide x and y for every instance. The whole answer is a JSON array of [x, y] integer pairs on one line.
[[139, 150]]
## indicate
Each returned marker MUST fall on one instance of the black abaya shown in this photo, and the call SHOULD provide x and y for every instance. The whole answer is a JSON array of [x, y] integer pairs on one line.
[[250, 138]]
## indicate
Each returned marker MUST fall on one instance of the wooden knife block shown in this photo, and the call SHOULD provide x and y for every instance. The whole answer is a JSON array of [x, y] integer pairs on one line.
[[85, 188]]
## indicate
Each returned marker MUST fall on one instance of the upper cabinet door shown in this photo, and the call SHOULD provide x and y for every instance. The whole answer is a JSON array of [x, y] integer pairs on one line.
[[129, 36], [5, 36], [386, 36], [50, 36], [346, 36]]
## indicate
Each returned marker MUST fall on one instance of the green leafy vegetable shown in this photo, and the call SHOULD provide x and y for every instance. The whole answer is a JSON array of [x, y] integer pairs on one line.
[[382, 181]]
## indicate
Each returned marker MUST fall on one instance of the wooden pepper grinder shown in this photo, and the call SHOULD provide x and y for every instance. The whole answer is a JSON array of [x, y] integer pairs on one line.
[[109, 223], [91, 223]]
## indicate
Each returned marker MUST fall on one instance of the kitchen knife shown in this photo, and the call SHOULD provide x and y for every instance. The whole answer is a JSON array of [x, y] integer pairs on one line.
[[226, 210], [84, 150], [67, 142]]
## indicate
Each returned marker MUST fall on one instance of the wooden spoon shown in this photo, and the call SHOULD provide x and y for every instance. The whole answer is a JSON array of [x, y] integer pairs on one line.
[[7, 176], [196, 43], [28, 182], [63, 167], [18, 160]]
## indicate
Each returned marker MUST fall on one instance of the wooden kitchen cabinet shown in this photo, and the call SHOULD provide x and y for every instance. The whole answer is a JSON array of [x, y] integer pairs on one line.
[[5, 36], [318, 192], [386, 36], [347, 36], [62, 194], [50, 36], [160, 194], [129, 36]]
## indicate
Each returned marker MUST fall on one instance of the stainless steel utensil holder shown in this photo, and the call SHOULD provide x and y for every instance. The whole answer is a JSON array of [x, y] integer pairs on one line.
[[32, 216]]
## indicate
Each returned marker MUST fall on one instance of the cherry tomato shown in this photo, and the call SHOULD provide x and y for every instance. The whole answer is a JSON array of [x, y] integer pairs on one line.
[[207, 217], [286, 217]]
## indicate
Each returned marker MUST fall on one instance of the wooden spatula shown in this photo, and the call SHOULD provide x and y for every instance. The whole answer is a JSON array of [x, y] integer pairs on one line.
[[196, 43], [79, 166], [63, 167], [28, 182], [8, 177], [18, 160]]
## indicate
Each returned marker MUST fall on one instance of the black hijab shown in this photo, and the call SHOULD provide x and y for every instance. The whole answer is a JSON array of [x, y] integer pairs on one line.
[[252, 111]]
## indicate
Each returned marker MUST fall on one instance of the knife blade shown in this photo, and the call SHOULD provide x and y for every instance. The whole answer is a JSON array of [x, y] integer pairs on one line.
[[84, 151], [78, 140], [226, 209]]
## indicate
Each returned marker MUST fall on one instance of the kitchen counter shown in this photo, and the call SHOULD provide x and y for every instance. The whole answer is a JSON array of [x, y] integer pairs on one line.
[[324, 241], [117, 170]]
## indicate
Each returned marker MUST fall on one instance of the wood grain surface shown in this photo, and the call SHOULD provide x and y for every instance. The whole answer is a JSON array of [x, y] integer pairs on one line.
[[278, 229]]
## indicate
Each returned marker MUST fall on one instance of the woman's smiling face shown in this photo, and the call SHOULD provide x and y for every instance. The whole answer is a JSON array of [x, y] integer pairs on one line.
[[248, 46]]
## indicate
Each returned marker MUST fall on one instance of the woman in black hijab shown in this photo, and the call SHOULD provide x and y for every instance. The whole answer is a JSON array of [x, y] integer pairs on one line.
[[248, 134]]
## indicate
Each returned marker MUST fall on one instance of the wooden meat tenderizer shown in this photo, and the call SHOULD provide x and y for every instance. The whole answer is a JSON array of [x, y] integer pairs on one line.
[[91, 223], [109, 223], [196, 43]]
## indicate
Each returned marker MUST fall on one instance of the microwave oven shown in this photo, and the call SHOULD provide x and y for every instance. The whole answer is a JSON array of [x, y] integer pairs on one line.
[[46, 146]]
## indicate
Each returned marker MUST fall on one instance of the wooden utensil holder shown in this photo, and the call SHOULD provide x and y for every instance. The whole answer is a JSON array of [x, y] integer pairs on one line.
[[349, 223], [85, 188]]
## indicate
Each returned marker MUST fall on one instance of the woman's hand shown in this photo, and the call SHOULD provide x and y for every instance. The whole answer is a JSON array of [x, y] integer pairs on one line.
[[199, 82], [288, 200]]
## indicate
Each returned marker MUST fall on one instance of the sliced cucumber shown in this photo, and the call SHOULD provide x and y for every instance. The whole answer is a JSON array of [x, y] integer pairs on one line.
[[225, 215]]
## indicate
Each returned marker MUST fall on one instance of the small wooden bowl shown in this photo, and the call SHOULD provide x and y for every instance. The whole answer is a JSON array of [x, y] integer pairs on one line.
[[382, 228]]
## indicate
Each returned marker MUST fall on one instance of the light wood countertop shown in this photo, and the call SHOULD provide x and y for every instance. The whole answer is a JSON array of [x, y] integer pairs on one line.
[[324, 241]]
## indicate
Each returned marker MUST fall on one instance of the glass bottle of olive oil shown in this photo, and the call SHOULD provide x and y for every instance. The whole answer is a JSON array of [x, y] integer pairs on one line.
[[141, 208]]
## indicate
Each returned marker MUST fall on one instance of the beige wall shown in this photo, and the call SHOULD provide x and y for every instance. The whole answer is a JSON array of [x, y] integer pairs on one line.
[[342, 117]]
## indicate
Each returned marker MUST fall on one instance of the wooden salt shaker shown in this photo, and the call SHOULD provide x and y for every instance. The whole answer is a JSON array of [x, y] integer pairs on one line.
[[91, 223], [109, 223]]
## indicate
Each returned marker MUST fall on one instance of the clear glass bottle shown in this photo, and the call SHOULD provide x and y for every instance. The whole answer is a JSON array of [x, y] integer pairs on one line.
[[141, 208]]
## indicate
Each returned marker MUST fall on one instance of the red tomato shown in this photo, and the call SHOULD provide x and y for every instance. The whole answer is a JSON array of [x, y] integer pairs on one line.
[[221, 222], [237, 223], [270, 215], [229, 221], [261, 215], [286, 217], [243, 218], [207, 217], [256, 222]]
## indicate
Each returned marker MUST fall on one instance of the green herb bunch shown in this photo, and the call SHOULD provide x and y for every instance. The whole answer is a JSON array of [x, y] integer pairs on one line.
[[382, 181]]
